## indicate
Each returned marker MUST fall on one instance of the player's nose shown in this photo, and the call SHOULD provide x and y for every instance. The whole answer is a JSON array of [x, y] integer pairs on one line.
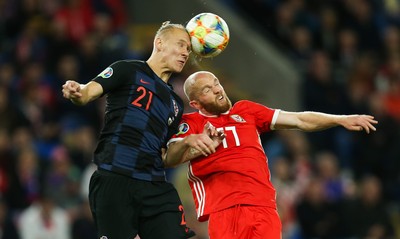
[[185, 53], [217, 89]]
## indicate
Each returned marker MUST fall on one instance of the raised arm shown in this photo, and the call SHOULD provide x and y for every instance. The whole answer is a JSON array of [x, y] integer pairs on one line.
[[81, 94], [315, 121], [193, 146]]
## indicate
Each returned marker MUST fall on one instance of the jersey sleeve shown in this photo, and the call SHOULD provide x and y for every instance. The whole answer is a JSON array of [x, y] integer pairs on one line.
[[113, 76], [264, 116], [187, 126]]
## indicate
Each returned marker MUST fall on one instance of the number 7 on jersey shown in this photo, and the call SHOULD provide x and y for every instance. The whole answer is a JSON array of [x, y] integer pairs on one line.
[[234, 133]]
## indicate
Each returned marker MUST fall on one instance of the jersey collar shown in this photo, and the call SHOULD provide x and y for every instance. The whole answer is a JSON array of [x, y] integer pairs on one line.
[[213, 116]]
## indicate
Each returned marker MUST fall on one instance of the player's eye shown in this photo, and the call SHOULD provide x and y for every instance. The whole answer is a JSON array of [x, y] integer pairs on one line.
[[206, 90], [181, 44]]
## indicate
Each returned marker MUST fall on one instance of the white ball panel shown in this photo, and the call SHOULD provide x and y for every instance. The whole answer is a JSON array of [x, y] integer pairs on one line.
[[191, 25], [197, 47], [214, 39], [208, 20]]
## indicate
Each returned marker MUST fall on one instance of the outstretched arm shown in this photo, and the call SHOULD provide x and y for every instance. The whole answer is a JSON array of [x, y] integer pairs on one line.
[[315, 121], [193, 146], [80, 94]]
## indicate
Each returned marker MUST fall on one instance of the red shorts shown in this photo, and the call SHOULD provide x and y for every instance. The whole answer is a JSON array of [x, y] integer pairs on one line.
[[245, 222]]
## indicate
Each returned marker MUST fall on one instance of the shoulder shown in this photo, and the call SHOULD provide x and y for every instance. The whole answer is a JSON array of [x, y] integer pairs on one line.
[[123, 67], [251, 107], [243, 104], [191, 116], [192, 122], [129, 64]]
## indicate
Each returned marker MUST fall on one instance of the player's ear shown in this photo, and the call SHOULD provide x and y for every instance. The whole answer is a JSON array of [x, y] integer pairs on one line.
[[194, 104], [158, 43]]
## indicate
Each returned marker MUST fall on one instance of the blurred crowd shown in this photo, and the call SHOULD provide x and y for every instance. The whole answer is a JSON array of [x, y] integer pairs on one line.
[[46, 142], [331, 184], [337, 184]]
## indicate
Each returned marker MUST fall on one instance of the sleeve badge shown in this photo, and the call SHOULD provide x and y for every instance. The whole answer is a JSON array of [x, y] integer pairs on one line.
[[183, 128], [107, 73]]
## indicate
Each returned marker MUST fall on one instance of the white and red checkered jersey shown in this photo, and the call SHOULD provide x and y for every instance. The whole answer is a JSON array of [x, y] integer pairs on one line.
[[237, 173]]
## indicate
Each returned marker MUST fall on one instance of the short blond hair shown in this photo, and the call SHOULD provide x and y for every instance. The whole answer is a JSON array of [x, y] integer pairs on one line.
[[168, 26]]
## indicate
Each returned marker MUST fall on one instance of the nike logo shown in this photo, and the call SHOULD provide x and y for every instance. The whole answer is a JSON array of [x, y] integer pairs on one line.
[[144, 82]]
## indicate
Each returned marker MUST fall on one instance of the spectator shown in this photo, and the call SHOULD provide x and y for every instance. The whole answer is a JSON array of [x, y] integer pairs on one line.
[[25, 180], [62, 180], [8, 229], [44, 219], [336, 187], [75, 18], [290, 183], [367, 216], [318, 218]]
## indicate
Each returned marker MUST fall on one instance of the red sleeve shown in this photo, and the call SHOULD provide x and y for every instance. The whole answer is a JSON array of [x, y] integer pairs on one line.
[[190, 124], [264, 116]]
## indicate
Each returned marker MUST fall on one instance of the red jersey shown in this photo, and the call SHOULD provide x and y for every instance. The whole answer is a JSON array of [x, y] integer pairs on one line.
[[237, 173]]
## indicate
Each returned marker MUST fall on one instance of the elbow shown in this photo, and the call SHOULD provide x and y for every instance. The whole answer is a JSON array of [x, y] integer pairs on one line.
[[170, 158], [167, 164], [170, 163]]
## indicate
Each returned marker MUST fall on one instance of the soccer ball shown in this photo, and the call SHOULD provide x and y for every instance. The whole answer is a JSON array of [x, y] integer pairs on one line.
[[209, 34]]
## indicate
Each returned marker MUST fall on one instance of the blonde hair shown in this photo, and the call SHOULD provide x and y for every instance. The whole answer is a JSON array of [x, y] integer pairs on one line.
[[168, 26]]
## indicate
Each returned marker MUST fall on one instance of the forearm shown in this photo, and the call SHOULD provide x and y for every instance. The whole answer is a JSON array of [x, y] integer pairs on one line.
[[84, 98], [180, 152], [193, 146], [315, 121], [80, 94]]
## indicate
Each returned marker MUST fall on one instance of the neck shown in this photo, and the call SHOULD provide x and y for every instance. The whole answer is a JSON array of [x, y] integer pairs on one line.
[[205, 113], [161, 71]]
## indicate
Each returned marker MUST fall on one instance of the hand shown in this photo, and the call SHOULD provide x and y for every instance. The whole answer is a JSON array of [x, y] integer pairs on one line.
[[213, 133], [206, 142], [71, 90], [359, 123]]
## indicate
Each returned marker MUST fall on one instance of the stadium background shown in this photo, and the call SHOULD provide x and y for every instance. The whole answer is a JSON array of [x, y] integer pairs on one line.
[[334, 56]]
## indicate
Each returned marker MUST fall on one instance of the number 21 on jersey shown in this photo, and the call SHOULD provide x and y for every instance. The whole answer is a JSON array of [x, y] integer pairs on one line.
[[144, 98]]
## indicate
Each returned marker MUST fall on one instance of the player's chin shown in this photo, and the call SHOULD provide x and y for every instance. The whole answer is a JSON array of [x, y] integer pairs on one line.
[[180, 65], [177, 69]]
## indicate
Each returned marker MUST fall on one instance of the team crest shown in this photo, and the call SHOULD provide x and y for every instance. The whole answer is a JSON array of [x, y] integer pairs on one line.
[[183, 128], [238, 118], [107, 73]]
